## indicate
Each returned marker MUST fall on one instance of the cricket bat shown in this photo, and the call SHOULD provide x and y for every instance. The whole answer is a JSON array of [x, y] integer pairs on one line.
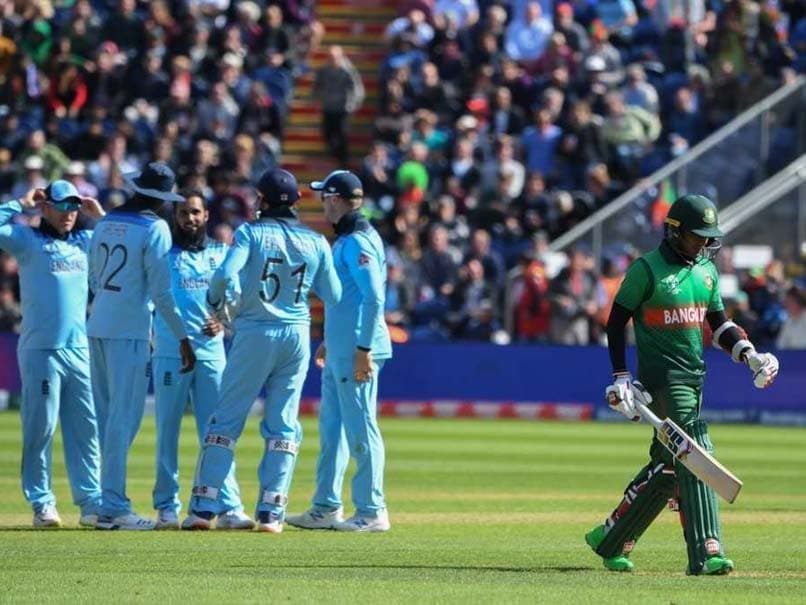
[[691, 455]]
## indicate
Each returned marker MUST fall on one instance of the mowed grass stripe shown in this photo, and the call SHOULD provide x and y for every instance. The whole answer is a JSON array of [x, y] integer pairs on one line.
[[482, 510]]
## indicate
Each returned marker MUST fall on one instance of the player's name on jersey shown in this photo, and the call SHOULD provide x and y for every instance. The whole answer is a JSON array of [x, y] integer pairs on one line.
[[194, 283]]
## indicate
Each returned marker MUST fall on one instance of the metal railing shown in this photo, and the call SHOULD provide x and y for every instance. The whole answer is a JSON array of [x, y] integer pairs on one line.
[[773, 214], [724, 166]]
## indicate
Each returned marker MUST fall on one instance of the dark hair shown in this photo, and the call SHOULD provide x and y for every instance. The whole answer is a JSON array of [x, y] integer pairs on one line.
[[190, 192]]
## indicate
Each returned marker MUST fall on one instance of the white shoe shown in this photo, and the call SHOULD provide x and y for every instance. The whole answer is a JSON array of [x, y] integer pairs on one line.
[[234, 519], [365, 524], [90, 520], [47, 516], [195, 522], [127, 522], [167, 519], [316, 519], [269, 522]]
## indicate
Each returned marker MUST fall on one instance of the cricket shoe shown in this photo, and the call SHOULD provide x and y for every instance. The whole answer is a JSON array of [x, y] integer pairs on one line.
[[316, 519], [89, 520], [47, 516], [167, 519], [716, 566], [619, 563], [198, 521], [365, 524], [234, 519], [128, 522], [269, 522]]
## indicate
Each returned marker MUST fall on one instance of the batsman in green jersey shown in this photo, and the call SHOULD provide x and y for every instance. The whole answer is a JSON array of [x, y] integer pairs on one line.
[[669, 293]]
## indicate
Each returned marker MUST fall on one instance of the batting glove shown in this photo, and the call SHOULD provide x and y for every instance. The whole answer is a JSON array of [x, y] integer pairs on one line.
[[764, 367], [619, 396]]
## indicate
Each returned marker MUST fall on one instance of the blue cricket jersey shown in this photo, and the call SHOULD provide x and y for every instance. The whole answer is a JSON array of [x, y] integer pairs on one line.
[[357, 319], [279, 260], [53, 282], [191, 271], [128, 271]]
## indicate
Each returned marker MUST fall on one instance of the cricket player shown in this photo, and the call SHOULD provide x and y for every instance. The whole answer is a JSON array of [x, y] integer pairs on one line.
[[279, 261], [129, 276], [669, 293], [355, 349], [194, 258], [52, 351]]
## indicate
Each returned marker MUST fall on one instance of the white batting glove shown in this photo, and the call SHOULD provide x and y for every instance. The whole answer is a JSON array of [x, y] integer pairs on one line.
[[619, 396], [640, 394], [764, 367]]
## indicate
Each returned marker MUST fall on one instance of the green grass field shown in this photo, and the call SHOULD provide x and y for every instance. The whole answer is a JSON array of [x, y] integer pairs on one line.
[[482, 511]]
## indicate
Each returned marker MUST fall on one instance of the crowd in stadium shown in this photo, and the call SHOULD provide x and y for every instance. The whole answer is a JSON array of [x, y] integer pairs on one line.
[[500, 125]]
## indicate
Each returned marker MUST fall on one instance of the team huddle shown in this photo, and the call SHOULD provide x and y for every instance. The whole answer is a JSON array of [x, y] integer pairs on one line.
[[136, 269]]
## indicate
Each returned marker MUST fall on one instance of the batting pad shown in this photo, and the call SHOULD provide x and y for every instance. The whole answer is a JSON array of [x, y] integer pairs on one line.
[[644, 498], [699, 509]]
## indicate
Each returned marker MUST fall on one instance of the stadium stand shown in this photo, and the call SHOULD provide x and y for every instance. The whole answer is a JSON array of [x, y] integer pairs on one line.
[[482, 129]]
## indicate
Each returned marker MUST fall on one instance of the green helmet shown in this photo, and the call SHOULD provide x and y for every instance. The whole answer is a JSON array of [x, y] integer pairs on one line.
[[695, 213]]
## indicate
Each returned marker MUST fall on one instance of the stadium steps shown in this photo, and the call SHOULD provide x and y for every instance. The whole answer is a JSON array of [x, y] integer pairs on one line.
[[357, 26]]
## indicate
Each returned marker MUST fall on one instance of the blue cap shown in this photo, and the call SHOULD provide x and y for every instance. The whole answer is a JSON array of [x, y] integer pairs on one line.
[[340, 182], [63, 195], [278, 187]]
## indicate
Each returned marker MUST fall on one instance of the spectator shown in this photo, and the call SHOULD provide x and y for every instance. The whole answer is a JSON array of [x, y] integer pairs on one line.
[[539, 143], [574, 33], [533, 306], [583, 143], [630, 130], [638, 91], [75, 173], [34, 177], [491, 262], [10, 313], [793, 331], [54, 161], [573, 296], [527, 36], [339, 90]]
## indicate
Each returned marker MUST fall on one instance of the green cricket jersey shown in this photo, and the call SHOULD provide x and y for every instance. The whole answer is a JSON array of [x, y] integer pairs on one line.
[[669, 301]]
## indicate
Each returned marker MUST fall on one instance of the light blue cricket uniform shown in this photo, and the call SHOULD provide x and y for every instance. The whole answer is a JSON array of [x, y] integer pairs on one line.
[[278, 261], [54, 360], [191, 270], [129, 275], [355, 321]]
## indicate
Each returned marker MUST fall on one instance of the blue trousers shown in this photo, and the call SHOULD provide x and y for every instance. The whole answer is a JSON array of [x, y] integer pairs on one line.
[[277, 358], [119, 385], [348, 426], [56, 386], [172, 391]]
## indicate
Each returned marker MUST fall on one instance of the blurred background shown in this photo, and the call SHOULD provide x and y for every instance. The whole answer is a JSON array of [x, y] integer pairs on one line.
[[516, 157]]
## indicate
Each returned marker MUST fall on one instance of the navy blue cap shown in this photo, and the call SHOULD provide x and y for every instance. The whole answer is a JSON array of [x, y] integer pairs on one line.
[[279, 187], [341, 182], [63, 195], [156, 181]]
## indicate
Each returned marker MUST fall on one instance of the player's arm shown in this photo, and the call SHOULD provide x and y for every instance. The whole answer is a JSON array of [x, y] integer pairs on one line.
[[326, 282], [158, 278], [634, 290], [732, 339], [225, 276], [15, 238], [365, 269]]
